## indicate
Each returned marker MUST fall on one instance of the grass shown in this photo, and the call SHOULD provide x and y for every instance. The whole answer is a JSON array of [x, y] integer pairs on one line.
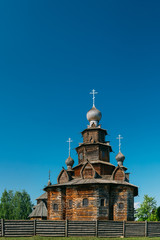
[[74, 238]]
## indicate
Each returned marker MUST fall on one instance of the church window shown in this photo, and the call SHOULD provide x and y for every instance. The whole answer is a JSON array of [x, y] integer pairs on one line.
[[102, 202], [85, 202], [70, 203], [55, 207], [120, 206]]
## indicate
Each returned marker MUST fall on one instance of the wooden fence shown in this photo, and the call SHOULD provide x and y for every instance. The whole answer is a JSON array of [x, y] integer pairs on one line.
[[25, 228]]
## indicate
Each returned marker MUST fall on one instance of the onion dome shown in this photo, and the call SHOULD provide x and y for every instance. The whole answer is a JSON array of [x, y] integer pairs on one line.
[[69, 162], [94, 116], [120, 158]]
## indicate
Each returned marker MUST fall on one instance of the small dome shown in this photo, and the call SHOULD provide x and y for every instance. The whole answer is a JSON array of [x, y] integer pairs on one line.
[[120, 158], [94, 114], [69, 162]]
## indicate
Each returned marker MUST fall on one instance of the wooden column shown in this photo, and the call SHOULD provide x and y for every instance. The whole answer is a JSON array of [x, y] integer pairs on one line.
[[124, 228], [96, 228], [66, 228], [2, 227], [34, 227], [146, 229]]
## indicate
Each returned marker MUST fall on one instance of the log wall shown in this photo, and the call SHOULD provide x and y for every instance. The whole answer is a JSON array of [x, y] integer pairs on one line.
[[65, 228], [78, 211], [56, 197]]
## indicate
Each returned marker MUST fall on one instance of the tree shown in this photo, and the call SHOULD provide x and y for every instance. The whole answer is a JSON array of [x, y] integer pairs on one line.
[[15, 205], [26, 205], [158, 214], [6, 205], [147, 210]]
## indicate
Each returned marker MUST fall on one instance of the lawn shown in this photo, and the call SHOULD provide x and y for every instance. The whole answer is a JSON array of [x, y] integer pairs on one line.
[[73, 238]]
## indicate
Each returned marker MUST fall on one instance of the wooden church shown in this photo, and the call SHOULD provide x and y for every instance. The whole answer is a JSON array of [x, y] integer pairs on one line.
[[94, 189]]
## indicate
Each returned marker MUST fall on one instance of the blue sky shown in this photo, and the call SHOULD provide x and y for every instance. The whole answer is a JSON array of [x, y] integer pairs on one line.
[[52, 54]]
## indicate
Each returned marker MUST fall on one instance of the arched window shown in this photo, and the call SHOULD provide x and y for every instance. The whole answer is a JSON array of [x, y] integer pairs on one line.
[[70, 203], [55, 207], [85, 202], [120, 206]]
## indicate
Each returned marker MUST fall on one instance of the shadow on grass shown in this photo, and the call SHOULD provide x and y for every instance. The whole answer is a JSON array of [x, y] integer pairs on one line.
[[73, 238]]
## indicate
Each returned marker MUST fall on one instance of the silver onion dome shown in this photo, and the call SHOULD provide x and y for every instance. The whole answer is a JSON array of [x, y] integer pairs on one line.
[[69, 162], [120, 158], [94, 116]]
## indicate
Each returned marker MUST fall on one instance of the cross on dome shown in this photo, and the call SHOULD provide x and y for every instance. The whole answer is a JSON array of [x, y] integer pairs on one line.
[[93, 92], [49, 180], [119, 137], [69, 141]]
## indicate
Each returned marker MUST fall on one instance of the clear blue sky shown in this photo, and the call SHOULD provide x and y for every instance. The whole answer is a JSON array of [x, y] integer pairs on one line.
[[52, 54]]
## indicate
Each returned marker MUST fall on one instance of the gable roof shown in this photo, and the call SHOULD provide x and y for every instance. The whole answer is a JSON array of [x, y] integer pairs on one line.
[[115, 170], [95, 174], [67, 175]]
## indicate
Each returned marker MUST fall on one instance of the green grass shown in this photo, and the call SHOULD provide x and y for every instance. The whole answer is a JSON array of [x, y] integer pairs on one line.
[[73, 238]]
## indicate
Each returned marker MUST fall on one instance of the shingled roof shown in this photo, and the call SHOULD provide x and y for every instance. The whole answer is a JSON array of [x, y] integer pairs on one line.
[[42, 197], [40, 210], [80, 181]]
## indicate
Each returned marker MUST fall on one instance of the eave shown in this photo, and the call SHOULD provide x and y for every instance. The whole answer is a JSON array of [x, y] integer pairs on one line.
[[94, 144], [99, 181], [94, 128]]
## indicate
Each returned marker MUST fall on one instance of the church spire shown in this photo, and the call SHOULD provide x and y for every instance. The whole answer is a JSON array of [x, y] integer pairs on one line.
[[49, 180]]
